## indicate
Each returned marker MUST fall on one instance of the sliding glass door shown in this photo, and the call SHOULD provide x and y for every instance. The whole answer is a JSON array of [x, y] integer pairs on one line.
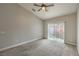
[[56, 31]]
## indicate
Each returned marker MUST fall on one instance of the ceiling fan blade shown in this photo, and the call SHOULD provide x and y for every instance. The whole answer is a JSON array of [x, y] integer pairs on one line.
[[36, 5], [50, 5], [39, 9], [33, 10]]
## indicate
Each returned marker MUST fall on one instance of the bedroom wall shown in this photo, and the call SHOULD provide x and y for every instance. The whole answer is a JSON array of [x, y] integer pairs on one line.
[[18, 25], [78, 29], [70, 27]]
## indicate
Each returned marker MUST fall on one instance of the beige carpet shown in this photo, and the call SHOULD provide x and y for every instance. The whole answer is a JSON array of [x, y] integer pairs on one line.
[[42, 47]]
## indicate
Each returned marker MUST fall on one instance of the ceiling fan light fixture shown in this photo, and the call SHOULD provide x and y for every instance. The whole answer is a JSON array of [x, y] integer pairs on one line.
[[43, 8]]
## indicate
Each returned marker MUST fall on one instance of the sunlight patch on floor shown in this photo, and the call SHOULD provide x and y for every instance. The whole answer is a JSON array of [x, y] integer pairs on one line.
[[57, 39]]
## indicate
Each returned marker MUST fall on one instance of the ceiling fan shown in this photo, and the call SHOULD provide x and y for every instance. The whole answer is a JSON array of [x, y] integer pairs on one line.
[[42, 6]]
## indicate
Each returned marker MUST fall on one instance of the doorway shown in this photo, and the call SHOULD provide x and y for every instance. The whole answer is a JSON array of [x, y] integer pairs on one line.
[[56, 31]]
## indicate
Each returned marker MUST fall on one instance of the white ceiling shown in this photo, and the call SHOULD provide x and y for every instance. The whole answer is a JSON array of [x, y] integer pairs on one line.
[[59, 9]]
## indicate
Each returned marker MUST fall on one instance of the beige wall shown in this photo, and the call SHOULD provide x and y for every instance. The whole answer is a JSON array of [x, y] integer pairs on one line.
[[70, 27], [17, 25], [78, 29]]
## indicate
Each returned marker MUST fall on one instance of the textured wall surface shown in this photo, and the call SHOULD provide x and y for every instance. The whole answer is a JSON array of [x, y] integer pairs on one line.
[[18, 25]]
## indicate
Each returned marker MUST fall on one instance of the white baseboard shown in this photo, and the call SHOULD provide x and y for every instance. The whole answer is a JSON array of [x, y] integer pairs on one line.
[[72, 43], [12, 46]]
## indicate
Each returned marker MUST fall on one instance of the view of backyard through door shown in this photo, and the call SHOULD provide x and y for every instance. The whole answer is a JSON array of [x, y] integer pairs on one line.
[[56, 31]]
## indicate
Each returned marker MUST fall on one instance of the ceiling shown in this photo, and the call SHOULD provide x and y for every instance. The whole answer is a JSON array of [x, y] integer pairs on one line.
[[59, 9]]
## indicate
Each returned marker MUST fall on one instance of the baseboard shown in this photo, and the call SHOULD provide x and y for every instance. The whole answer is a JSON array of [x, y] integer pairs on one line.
[[71, 43], [12, 46]]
